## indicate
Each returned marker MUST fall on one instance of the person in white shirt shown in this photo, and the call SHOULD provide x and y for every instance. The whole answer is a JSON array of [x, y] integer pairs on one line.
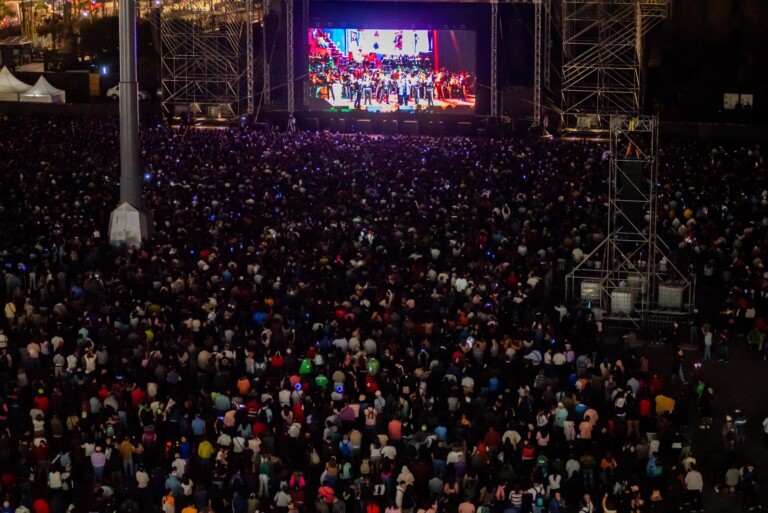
[[89, 362], [142, 479], [694, 484], [180, 465], [572, 465]]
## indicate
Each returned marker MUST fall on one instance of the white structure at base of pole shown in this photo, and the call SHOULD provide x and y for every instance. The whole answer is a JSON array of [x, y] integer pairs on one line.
[[128, 226]]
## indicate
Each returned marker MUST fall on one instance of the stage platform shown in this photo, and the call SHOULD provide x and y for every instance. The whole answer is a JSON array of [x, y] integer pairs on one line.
[[391, 123]]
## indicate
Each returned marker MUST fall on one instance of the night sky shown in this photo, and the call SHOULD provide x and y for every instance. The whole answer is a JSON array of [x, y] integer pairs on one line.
[[708, 47]]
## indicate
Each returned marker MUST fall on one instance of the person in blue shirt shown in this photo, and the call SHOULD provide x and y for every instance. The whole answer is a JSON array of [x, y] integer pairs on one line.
[[198, 426]]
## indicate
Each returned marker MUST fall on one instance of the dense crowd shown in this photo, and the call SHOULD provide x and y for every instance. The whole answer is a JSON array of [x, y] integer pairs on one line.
[[348, 324]]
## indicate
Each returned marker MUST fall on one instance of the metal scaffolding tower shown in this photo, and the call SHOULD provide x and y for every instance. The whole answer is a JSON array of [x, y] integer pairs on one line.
[[603, 58], [537, 63], [289, 74], [629, 274], [266, 91], [305, 85], [249, 58], [205, 58], [547, 44], [494, 59]]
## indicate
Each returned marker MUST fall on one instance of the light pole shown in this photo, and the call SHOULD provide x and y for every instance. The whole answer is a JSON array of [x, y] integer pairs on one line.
[[129, 223]]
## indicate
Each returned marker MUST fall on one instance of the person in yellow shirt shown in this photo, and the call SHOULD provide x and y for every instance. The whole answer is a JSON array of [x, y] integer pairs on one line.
[[205, 453], [664, 404], [189, 509]]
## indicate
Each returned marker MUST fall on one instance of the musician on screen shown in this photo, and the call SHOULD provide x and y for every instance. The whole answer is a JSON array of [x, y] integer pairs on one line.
[[402, 91], [429, 88]]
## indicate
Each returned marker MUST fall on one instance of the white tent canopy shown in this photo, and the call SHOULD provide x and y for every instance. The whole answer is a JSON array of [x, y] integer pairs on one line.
[[11, 87], [43, 92]]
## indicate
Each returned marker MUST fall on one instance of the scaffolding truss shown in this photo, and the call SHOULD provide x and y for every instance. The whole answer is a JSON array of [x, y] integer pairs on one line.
[[207, 57], [494, 59], [537, 56], [249, 58], [629, 274], [266, 91], [603, 58], [290, 73]]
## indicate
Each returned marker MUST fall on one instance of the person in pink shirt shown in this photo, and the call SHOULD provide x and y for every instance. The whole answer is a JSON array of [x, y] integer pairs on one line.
[[466, 507], [98, 461], [585, 429], [592, 415]]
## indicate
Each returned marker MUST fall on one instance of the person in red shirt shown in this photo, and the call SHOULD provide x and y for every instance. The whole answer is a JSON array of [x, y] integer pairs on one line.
[[137, 396], [492, 439], [41, 401], [395, 429], [40, 505], [103, 393]]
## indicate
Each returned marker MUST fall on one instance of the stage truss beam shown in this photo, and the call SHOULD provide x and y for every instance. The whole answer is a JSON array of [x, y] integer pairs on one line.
[[537, 63], [249, 58], [266, 88], [289, 74], [304, 27], [494, 59]]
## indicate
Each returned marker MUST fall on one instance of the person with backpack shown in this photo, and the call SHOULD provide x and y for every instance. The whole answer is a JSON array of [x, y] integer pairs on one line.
[[537, 494]]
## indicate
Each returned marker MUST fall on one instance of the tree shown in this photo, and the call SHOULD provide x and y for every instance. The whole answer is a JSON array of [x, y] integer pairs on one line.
[[99, 35]]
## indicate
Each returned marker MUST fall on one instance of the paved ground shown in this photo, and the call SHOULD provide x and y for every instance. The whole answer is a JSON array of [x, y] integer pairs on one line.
[[742, 384]]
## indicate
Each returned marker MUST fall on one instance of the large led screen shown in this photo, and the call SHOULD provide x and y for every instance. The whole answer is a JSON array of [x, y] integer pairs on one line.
[[386, 70]]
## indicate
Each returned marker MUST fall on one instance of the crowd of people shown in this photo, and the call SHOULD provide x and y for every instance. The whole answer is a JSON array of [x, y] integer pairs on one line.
[[347, 324]]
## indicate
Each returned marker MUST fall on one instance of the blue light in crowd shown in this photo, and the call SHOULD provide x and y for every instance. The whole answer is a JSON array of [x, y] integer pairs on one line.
[[147, 177], [104, 70]]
